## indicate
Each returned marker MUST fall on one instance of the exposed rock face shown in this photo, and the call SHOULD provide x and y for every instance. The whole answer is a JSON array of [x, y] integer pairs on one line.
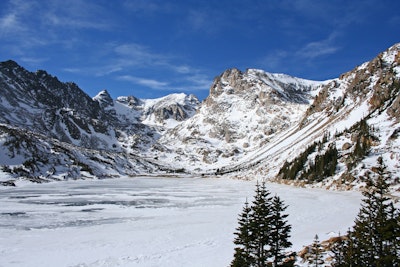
[[175, 107], [143, 121], [282, 86], [242, 113], [160, 111], [104, 99], [376, 82], [41, 103]]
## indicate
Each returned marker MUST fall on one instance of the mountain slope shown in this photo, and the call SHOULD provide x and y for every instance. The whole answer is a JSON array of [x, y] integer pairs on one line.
[[356, 114], [41, 103], [141, 122], [243, 112], [253, 124], [165, 112], [53, 130]]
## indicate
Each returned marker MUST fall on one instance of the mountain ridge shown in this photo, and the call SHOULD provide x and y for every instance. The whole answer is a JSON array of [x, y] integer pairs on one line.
[[252, 125]]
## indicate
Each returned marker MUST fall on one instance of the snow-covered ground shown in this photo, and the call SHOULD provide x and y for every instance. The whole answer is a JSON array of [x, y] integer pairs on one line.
[[149, 221]]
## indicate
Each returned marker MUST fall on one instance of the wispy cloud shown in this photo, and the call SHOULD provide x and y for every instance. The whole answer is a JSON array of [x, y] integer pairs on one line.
[[274, 60], [92, 70], [120, 60], [318, 48], [194, 82], [204, 20], [330, 13], [136, 54], [114, 58], [28, 28], [147, 6], [17, 31], [187, 83], [33, 60], [9, 23], [151, 83], [12, 17], [308, 53], [182, 69], [79, 14], [29, 24]]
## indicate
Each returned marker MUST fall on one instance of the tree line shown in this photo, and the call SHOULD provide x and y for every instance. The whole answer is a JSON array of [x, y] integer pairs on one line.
[[263, 232]]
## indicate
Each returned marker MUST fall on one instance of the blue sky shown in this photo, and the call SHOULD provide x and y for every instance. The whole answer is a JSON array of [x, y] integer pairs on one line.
[[149, 48]]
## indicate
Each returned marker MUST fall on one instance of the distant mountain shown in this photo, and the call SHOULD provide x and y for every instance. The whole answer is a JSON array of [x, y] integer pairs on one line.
[[165, 112], [53, 130], [40, 103], [253, 124]]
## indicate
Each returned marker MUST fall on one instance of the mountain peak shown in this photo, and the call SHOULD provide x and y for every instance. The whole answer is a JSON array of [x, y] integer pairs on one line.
[[9, 64], [104, 99], [255, 81]]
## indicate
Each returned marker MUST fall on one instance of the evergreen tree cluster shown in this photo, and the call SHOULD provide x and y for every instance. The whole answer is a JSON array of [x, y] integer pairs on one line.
[[262, 236], [315, 257], [374, 240], [291, 169], [363, 142], [323, 166]]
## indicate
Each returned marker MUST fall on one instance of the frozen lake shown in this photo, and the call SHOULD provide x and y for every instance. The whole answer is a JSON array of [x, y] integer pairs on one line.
[[149, 221]]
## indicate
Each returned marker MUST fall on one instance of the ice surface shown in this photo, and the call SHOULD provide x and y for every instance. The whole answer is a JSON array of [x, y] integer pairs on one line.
[[149, 221]]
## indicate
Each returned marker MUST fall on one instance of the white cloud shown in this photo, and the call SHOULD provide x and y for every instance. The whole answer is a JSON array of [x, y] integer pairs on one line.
[[319, 48], [183, 69], [151, 83], [98, 71], [13, 16], [136, 54], [8, 23], [29, 24], [188, 83], [199, 82], [33, 60]]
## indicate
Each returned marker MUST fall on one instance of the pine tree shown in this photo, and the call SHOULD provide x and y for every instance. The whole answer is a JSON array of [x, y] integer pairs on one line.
[[337, 250], [242, 241], [263, 232], [279, 232], [240, 258], [315, 257], [374, 240], [260, 225], [376, 223]]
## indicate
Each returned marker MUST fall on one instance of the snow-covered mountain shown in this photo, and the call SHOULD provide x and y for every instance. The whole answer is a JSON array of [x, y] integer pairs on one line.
[[163, 113], [243, 112], [40, 103], [53, 130], [253, 124], [352, 121]]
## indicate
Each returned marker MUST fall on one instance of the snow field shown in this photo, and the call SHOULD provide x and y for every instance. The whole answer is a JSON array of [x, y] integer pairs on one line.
[[150, 221]]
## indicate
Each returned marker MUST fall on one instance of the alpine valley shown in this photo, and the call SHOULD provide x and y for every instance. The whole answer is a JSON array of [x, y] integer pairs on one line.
[[252, 125]]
